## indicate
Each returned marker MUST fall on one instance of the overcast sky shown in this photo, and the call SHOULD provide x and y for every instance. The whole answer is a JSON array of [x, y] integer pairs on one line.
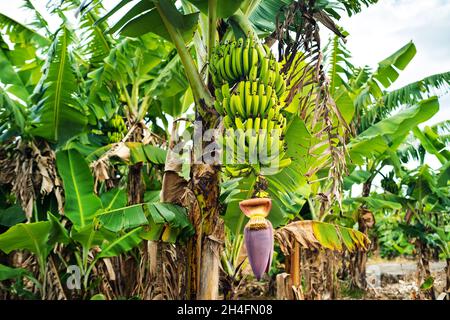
[[385, 27]]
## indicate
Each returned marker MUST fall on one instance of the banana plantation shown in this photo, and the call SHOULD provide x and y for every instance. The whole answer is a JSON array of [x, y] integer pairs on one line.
[[215, 149]]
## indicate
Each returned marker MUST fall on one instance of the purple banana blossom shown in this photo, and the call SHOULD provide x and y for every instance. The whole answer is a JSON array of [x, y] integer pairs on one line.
[[258, 234], [259, 244]]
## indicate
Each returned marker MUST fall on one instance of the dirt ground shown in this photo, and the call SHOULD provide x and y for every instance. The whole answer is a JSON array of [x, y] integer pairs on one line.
[[387, 280], [396, 280]]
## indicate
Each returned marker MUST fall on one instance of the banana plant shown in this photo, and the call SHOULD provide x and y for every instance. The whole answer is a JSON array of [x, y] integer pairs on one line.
[[104, 222], [366, 97]]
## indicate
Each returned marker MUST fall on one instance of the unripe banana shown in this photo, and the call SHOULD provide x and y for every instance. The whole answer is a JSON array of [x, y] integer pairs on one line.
[[270, 114], [227, 122], [218, 94], [227, 107], [264, 124], [249, 124], [239, 124], [241, 147], [221, 67], [255, 100], [264, 105], [270, 125], [248, 99], [255, 105], [218, 106], [234, 52], [226, 90], [253, 147], [284, 163], [269, 91], [254, 58], [228, 65], [245, 58], [237, 105], [257, 124]]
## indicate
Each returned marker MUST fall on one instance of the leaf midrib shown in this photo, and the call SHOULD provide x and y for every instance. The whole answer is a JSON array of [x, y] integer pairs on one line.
[[118, 240], [77, 192], [57, 99]]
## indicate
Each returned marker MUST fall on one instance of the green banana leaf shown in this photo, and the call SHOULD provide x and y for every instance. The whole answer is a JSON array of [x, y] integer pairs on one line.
[[12, 216], [7, 273], [167, 216], [375, 202], [10, 77], [15, 113], [265, 15], [116, 219], [144, 18], [81, 203], [146, 153], [432, 144], [121, 244], [387, 73], [57, 114], [225, 8], [32, 237], [356, 177], [390, 132], [90, 236]]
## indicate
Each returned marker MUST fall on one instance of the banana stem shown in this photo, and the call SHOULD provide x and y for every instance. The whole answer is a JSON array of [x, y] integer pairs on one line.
[[243, 23], [199, 90], [212, 22], [252, 4]]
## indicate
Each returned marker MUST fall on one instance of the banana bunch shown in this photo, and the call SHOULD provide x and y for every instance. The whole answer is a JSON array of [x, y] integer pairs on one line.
[[248, 99], [119, 129], [388, 184], [248, 86], [246, 60]]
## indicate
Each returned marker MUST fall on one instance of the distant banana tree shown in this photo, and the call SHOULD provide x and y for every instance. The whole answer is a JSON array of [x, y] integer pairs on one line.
[[378, 131]]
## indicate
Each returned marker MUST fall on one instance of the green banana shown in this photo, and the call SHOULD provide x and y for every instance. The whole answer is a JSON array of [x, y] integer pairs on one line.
[[218, 106], [226, 90], [249, 124], [248, 99], [234, 53], [253, 75], [236, 104], [227, 107], [257, 124], [255, 105], [245, 58], [228, 65], [239, 123], [227, 122]]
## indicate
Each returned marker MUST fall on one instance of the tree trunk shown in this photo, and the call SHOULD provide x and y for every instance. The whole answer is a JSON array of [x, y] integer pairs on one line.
[[204, 248], [447, 284], [423, 270], [359, 258]]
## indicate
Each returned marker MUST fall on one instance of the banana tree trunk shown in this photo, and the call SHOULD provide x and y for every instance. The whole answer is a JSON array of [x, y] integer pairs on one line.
[[359, 258], [447, 283], [204, 248], [423, 270]]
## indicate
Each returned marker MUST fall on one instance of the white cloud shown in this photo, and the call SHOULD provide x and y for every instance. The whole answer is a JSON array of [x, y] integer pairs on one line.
[[383, 28]]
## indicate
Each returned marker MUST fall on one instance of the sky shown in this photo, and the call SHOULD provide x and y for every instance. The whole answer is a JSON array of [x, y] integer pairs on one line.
[[385, 27]]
